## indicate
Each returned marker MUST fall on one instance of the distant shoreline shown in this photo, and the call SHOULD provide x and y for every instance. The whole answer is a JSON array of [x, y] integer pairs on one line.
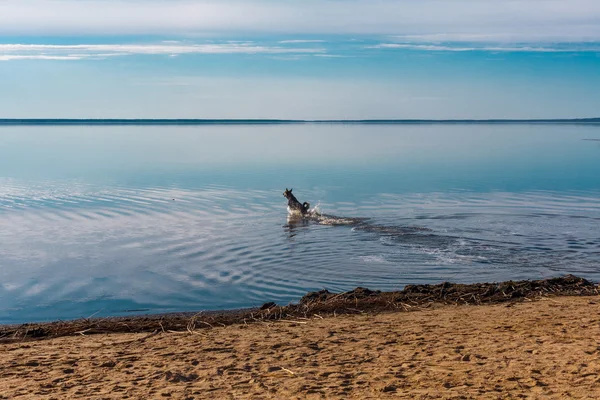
[[174, 122]]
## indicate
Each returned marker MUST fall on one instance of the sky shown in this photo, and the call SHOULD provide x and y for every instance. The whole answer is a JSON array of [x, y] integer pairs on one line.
[[288, 59]]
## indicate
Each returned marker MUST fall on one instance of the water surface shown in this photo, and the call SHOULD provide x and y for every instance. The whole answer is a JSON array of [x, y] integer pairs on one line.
[[122, 219]]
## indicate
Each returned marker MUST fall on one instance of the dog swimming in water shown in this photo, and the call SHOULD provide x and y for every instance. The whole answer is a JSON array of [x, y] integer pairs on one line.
[[294, 206]]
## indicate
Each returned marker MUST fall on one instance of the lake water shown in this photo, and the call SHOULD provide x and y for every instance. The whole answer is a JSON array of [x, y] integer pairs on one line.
[[139, 219]]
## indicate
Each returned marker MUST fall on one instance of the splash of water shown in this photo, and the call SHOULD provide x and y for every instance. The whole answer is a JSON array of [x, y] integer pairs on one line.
[[316, 215]]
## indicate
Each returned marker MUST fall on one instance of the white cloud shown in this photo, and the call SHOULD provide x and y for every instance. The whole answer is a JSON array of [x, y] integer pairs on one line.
[[560, 20], [332, 55], [497, 37], [495, 48], [80, 51], [302, 41], [10, 57]]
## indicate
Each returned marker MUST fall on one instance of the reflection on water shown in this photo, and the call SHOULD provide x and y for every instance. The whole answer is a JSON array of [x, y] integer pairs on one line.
[[114, 220]]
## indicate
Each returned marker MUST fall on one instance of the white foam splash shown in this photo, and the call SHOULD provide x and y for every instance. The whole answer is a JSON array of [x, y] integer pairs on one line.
[[313, 213], [316, 210]]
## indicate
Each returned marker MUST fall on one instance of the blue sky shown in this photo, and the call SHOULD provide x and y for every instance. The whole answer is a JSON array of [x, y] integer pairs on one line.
[[336, 59]]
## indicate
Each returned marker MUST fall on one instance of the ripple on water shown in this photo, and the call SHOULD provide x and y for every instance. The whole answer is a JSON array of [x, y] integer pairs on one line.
[[79, 248]]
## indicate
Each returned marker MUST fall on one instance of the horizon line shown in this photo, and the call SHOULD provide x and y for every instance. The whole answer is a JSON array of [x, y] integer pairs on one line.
[[274, 121]]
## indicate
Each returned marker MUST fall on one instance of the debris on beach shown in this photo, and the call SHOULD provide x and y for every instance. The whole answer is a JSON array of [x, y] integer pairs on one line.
[[315, 305]]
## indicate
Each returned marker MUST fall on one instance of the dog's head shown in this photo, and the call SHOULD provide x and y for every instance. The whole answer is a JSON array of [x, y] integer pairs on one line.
[[288, 193]]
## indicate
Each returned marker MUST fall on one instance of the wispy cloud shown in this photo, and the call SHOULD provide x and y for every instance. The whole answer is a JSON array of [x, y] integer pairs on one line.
[[500, 37], [10, 57], [559, 20], [332, 55], [489, 48], [81, 51], [302, 41]]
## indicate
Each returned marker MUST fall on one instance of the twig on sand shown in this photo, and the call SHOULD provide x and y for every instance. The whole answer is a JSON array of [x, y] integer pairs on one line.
[[334, 297], [278, 368], [549, 299], [156, 332], [25, 334], [190, 328]]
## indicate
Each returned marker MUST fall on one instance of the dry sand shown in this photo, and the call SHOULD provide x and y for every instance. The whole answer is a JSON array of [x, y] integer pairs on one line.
[[543, 349]]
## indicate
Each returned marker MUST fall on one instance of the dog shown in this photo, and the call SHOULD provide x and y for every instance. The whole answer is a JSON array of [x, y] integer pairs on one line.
[[294, 206]]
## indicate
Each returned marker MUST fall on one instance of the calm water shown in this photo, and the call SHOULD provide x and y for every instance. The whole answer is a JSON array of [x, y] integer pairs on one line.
[[119, 220]]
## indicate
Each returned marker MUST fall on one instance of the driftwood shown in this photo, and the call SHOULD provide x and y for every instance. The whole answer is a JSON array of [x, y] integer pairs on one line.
[[314, 304]]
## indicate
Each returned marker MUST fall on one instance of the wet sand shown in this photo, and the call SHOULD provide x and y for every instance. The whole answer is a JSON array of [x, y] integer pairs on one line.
[[549, 348]]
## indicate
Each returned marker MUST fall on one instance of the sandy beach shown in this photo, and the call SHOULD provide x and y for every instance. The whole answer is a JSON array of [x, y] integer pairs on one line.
[[548, 348]]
